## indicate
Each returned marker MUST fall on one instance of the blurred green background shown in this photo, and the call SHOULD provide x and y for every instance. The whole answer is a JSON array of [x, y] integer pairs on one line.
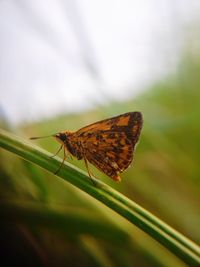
[[51, 223]]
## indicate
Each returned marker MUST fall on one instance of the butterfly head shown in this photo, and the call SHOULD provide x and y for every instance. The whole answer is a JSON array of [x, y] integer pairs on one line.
[[61, 137]]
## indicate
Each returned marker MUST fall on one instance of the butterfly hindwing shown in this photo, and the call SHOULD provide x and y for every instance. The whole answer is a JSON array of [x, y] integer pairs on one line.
[[112, 154]]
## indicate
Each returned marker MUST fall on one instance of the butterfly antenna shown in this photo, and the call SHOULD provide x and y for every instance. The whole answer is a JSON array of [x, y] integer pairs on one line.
[[40, 137]]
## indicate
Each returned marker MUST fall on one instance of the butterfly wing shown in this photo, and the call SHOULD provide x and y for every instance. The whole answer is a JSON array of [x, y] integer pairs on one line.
[[111, 155], [109, 144], [130, 121]]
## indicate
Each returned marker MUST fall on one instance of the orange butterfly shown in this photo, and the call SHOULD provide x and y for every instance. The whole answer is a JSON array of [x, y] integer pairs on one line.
[[108, 144]]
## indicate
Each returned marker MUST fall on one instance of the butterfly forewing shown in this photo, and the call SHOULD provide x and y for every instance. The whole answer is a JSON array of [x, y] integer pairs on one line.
[[110, 124]]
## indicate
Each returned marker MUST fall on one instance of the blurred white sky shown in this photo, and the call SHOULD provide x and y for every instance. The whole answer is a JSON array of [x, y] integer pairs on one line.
[[70, 55]]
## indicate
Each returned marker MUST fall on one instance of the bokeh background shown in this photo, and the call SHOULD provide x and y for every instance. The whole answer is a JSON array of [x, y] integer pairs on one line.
[[65, 64]]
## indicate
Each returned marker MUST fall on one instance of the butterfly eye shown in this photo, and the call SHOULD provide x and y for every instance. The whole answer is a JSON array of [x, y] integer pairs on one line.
[[61, 136]]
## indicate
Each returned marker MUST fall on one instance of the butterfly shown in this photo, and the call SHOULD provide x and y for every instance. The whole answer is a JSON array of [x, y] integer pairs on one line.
[[107, 144]]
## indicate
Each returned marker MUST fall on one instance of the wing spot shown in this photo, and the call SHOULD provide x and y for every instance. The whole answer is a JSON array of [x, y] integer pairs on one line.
[[111, 136], [114, 165]]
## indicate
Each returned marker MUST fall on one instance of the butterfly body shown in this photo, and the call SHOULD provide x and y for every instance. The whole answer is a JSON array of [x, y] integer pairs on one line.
[[108, 144], [71, 143]]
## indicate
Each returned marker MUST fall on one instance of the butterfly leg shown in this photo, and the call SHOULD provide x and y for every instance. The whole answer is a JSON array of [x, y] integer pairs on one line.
[[87, 167], [64, 158], [57, 152]]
